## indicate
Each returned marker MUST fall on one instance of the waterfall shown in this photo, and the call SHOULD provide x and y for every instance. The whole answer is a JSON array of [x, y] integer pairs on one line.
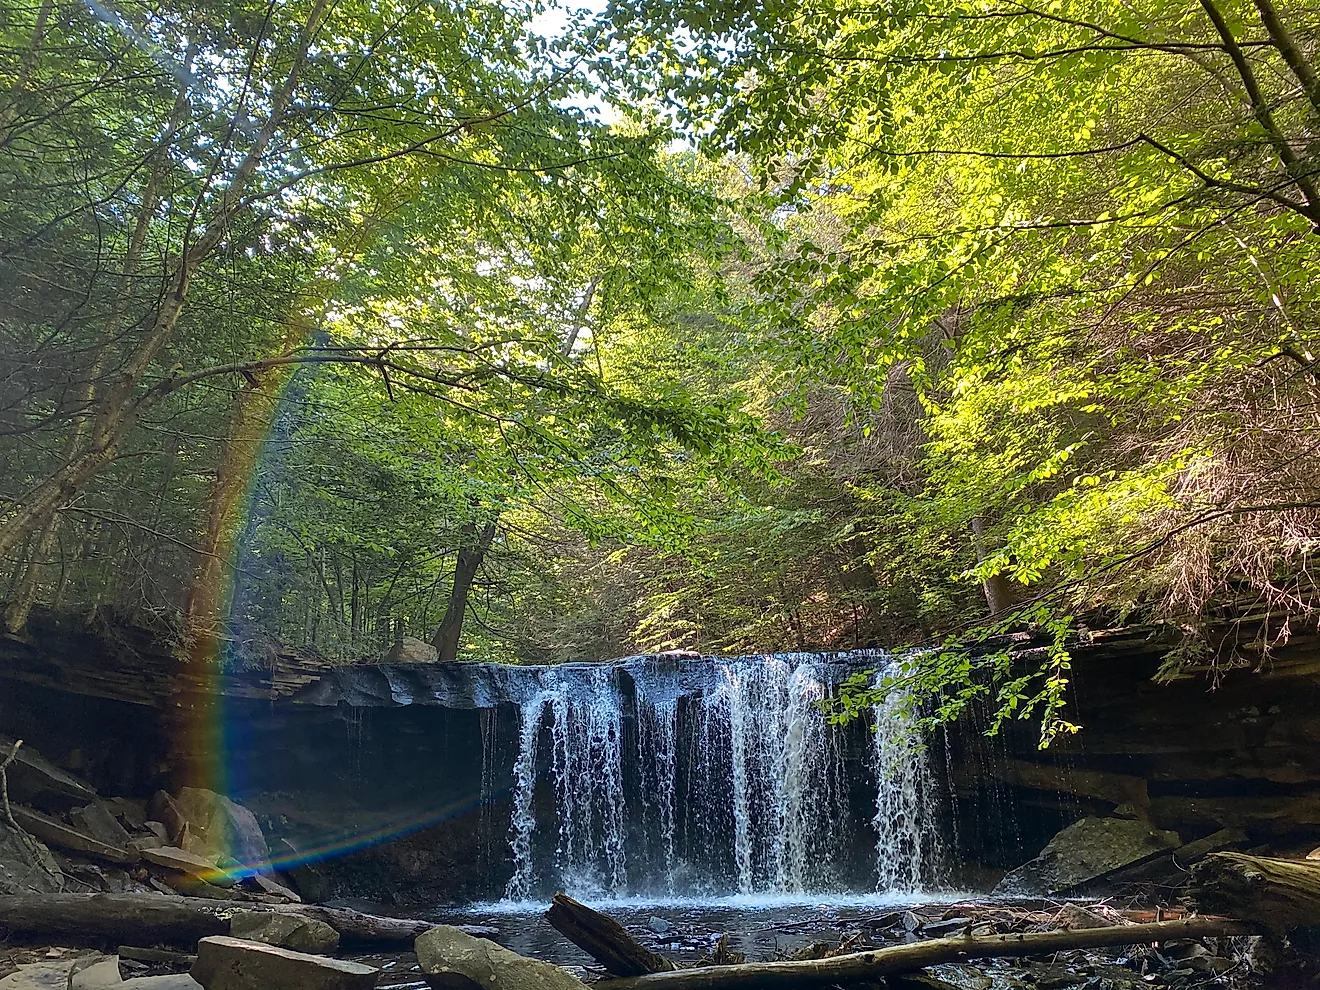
[[700, 777]]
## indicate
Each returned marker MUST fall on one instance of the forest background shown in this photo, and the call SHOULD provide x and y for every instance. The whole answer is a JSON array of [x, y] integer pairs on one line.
[[851, 324]]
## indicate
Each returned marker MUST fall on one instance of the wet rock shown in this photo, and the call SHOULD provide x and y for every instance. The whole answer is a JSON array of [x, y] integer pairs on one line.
[[1087, 850], [659, 925], [227, 963], [453, 960], [226, 828], [26, 866], [288, 931]]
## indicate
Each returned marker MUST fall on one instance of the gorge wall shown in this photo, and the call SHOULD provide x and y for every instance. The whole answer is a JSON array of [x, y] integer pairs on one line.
[[407, 783]]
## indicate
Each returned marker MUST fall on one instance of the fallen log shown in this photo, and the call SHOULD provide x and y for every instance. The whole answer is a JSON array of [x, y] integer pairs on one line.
[[114, 919], [603, 938], [356, 926], [1277, 893], [860, 966]]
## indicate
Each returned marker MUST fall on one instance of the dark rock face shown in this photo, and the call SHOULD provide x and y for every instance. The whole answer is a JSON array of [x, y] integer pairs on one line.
[[394, 780], [26, 867], [1084, 851]]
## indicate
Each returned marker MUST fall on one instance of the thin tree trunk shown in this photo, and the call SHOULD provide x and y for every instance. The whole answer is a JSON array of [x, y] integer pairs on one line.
[[470, 557], [1292, 53], [117, 410], [1000, 595]]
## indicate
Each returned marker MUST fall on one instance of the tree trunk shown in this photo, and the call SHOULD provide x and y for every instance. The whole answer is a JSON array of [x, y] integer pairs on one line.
[[25, 593], [112, 919], [1277, 893], [117, 410], [1000, 594], [867, 966], [470, 556], [603, 938]]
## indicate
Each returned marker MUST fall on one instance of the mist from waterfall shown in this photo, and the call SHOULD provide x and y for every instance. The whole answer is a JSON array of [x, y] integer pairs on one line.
[[707, 778]]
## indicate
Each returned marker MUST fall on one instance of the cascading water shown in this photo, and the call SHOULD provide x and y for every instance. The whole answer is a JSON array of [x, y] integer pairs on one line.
[[659, 776]]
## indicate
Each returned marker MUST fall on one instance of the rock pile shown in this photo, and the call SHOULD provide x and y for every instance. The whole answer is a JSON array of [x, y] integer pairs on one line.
[[65, 837]]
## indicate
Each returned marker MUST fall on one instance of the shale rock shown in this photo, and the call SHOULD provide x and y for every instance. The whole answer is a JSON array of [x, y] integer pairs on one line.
[[1087, 850], [451, 959], [226, 963], [174, 858], [100, 823], [288, 931], [36, 781], [26, 867]]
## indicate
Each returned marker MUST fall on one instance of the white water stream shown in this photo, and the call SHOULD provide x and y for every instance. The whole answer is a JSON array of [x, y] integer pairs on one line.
[[712, 778]]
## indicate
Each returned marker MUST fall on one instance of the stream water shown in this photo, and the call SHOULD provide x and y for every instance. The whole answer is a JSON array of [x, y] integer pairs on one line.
[[701, 781]]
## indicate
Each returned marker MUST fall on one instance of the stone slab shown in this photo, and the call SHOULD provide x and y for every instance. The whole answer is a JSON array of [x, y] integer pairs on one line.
[[227, 963]]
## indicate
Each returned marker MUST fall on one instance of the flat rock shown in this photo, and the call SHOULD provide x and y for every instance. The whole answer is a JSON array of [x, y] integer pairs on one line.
[[451, 959], [1087, 850], [182, 861], [227, 963], [26, 867], [52, 975], [97, 821], [288, 931]]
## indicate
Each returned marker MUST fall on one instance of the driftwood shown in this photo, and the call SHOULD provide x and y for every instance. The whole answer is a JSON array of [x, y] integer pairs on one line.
[[859, 966], [603, 938], [101, 919], [1277, 893]]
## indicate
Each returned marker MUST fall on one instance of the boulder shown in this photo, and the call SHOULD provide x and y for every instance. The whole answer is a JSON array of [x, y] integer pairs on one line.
[[227, 829], [288, 931], [451, 959], [26, 866], [411, 650], [228, 963], [1087, 850]]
